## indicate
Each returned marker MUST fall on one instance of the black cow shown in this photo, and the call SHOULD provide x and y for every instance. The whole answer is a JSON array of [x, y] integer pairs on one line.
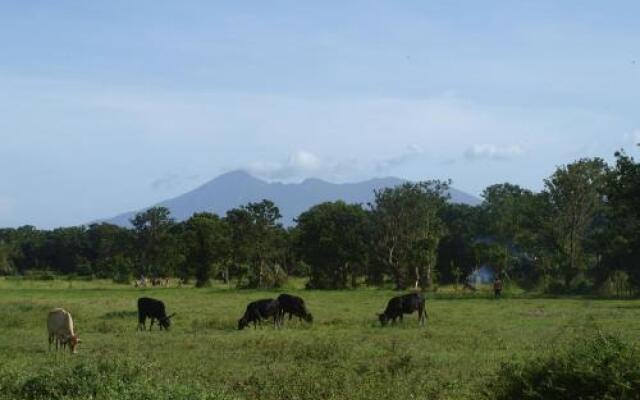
[[293, 305], [405, 304], [259, 310], [153, 309]]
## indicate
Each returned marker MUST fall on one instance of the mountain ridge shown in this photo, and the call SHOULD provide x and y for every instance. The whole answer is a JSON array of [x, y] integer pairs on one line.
[[235, 188]]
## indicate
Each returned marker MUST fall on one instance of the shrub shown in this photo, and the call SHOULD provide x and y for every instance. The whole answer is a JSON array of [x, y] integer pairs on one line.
[[36, 275], [96, 380], [601, 367], [273, 276]]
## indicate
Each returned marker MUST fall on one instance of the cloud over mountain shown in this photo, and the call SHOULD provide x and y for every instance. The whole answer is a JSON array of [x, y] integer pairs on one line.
[[493, 152]]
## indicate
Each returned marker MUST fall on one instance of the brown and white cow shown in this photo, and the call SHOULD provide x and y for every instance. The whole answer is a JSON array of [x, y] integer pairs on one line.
[[60, 327]]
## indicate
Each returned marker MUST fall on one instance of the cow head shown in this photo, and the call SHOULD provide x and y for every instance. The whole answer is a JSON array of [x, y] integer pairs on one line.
[[242, 323], [166, 321], [308, 317], [383, 319], [73, 342]]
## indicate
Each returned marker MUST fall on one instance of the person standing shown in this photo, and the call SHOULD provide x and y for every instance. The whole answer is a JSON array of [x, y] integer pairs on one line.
[[497, 287]]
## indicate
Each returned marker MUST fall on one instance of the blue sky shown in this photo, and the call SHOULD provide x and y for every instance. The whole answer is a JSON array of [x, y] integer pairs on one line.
[[110, 107]]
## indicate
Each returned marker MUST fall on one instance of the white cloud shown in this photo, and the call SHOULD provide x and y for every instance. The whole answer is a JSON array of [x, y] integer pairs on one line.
[[300, 164], [493, 152], [385, 164], [303, 164]]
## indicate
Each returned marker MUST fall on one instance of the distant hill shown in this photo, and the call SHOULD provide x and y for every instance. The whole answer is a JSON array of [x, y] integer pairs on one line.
[[237, 188]]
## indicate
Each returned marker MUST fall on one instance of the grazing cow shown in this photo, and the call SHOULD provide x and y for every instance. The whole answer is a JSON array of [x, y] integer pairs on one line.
[[259, 310], [60, 328], [153, 309], [293, 305], [405, 304]]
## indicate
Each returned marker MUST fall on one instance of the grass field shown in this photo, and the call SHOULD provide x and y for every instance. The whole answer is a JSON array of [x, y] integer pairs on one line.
[[345, 354]]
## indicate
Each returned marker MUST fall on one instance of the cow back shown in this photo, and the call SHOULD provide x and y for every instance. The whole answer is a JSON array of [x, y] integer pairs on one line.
[[59, 322], [151, 308]]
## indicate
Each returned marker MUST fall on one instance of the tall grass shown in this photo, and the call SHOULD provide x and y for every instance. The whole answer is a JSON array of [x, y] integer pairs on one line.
[[345, 354]]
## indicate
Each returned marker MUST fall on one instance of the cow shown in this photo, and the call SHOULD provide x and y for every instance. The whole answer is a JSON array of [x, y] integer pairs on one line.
[[293, 305], [258, 310], [153, 309], [60, 328], [405, 304]]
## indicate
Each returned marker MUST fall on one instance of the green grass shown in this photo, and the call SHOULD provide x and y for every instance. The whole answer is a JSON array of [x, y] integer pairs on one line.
[[344, 355]]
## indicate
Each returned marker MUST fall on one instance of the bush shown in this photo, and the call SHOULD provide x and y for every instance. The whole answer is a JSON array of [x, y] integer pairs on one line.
[[36, 275], [617, 284], [601, 367], [95, 380], [273, 276]]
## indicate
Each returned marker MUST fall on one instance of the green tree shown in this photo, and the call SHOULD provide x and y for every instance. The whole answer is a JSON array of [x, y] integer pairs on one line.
[[455, 251], [408, 230], [155, 246], [205, 239], [504, 217], [256, 243], [6, 262], [575, 194], [332, 240], [622, 235], [109, 250], [65, 250]]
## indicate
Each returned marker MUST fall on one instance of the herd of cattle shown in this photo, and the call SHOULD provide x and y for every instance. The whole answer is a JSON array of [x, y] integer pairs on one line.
[[61, 330]]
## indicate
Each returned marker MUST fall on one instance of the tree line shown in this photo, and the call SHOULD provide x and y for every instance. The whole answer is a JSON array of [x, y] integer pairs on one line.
[[580, 233]]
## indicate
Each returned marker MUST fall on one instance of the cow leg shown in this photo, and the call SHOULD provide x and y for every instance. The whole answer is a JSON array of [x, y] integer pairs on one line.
[[151, 324], [142, 322], [50, 341]]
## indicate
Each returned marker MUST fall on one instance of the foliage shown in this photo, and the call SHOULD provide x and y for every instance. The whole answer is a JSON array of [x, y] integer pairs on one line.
[[409, 229], [332, 240], [205, 243], [154, 243], [578, 235], [257, 242], [102, 380], [600, 367], [575, 193]]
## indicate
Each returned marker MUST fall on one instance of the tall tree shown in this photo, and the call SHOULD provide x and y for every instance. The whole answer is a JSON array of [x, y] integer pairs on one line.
[[409, 229], [575, 194], [109, 249], [155, 245], [505, 209], [205, 239], [622, 237], [332, 239], [455, 251], [256, 240]]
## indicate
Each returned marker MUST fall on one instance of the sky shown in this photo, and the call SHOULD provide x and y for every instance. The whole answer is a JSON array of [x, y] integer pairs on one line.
[[107, 107]]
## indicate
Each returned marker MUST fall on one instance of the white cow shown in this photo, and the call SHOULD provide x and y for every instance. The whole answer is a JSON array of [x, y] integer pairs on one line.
[[60, 327]]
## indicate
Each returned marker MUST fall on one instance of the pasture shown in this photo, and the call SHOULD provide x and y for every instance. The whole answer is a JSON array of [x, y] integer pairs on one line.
[[345, 354]]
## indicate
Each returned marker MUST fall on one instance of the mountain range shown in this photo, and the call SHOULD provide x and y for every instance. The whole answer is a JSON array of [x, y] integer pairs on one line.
[[237, 188]]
